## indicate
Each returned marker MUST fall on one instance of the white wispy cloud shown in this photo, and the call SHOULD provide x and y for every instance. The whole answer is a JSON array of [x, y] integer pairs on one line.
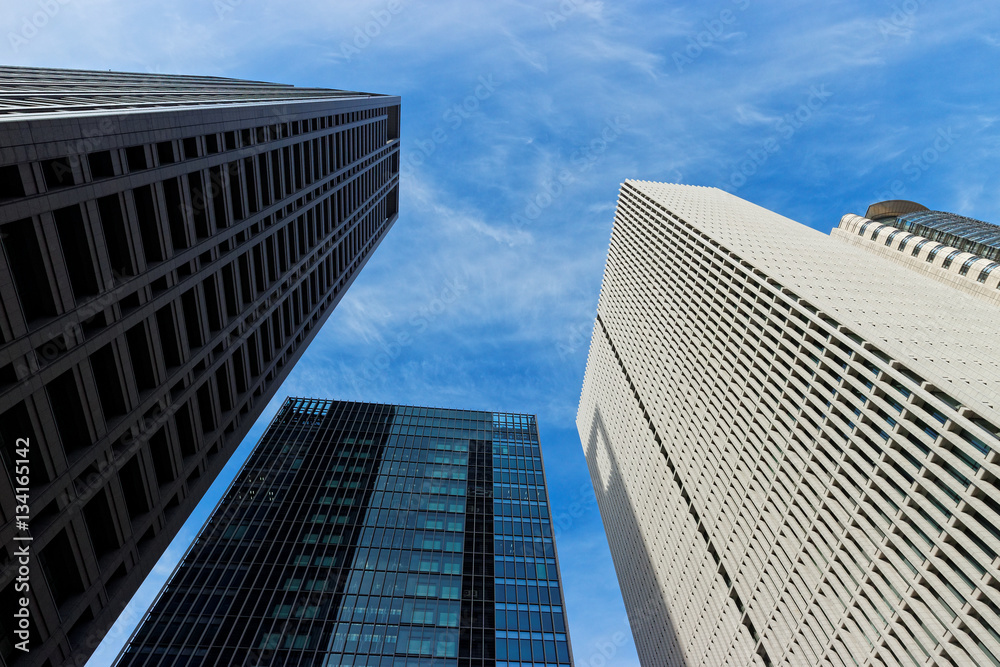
[[480, 215]]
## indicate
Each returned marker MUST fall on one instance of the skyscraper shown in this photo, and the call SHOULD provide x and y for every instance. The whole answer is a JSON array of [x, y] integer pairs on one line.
[[793, 437], [170, 246], [360, 534]]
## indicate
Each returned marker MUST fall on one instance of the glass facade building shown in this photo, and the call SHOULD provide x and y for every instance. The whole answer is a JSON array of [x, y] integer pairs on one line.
[[371, 535]]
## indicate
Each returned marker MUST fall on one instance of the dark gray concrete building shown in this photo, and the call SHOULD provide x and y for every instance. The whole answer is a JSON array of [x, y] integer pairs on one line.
[[369, 535], [170, 245]]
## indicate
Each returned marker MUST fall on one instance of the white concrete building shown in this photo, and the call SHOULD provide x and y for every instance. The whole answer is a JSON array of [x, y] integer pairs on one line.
[[793, 436]]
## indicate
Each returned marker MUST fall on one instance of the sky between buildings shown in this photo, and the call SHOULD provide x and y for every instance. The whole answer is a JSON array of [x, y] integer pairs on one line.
[[519, 122]]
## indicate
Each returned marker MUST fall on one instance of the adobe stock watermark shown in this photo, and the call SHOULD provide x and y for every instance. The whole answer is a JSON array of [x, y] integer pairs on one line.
[[365, 34], [454, 116], [714, 31], [74, 151], [785, 127], [583, 502], [32, 24], [376, 367], [579, 335], [565, 9], [583, 160], [918, 163], [901, 21]]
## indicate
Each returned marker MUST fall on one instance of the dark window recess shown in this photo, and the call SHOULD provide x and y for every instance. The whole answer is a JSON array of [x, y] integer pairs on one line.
[[160, 285], [108, 380], [230, 138], [276, 173], [235, 192], [141, 356], [393, 123], [101, 525], [229, 290], [198, 205], [30, 279], [133, 489], [267, 350], [225, 393], [252, 200], [135, 156], [272, 264], [76, 251], [115, 236], [287, 164], [175, 213], [253, 356], [185, 431], [276, 328], [246, 288], [392, 203], [159, 449], [205, 408], [263, 180], [240, 371], [297, 161], [192, 319], [60, 569], [117, 579], [101, 165], [58, 173], [16, 423], [165, 152], [307, 156], [129, 303], [67, 408], [217, 193], [8, 375], [148, 224], [94, 324], [169, 342], [215, 321], [11, 185], [258, 267]]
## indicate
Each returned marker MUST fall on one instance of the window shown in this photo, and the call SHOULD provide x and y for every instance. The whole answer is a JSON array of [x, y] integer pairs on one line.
[[951, 256], [28, 269], [11, 185], [101, 165], [135, 157], [888, 240], [986, 271], [968, 263], [921, 244], [58, 173]]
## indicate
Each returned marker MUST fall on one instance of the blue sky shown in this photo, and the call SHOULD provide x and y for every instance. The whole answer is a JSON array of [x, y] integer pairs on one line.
[[520, 120]]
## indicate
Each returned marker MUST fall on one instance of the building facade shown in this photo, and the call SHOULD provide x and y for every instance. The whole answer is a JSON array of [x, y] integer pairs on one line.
[[369, 535], [793, 437], [170, 245]]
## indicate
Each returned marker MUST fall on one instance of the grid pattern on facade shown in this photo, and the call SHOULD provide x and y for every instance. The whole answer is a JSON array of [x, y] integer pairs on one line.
[[364, 535], [29, 91], [161, 273], [799, 481]]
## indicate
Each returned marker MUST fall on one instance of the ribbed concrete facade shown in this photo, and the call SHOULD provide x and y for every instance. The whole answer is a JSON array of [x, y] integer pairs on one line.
[[170, 246], [793, 442]]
